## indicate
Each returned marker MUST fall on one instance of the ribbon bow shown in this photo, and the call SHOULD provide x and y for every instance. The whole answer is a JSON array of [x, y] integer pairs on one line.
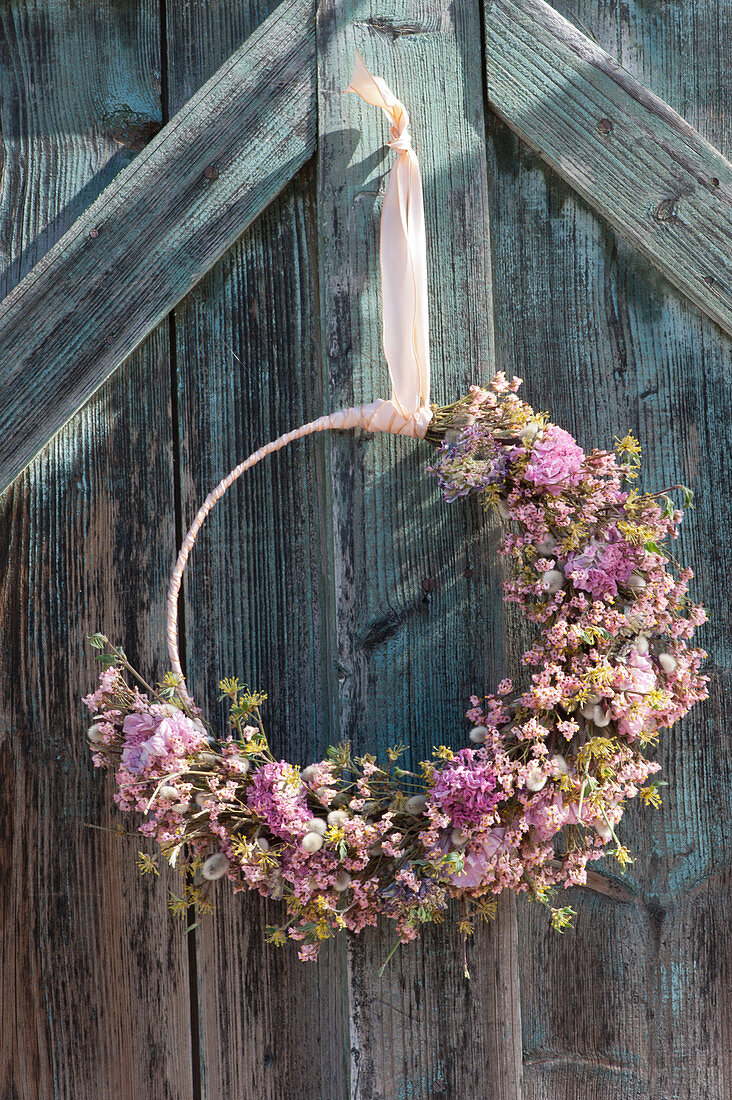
[[403, 253]]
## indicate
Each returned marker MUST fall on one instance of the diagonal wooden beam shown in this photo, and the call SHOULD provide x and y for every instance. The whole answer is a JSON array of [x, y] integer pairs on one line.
[[647, 172], [155, 231]]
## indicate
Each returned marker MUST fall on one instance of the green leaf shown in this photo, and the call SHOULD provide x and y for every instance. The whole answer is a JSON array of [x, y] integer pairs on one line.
[[652, 547], [96, 641], [106, 659]]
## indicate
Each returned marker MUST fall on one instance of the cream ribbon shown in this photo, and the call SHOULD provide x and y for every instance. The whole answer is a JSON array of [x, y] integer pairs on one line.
[[403, 265]]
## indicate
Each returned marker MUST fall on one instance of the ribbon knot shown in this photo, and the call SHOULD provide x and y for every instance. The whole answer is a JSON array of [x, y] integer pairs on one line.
[[401, 142]]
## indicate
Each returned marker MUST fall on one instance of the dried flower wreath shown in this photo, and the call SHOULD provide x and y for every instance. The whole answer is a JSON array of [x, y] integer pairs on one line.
[[542, 788]]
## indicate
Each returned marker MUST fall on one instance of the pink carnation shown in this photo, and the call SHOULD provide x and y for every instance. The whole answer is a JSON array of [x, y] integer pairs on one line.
[[556, 461]]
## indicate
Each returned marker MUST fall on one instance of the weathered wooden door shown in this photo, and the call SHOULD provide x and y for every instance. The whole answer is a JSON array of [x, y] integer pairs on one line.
[[334, 578]]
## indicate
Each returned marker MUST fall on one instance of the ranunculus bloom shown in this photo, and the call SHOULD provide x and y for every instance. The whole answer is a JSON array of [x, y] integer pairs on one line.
[[556, 461]]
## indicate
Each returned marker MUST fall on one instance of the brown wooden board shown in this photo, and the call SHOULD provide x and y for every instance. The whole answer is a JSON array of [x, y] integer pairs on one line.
[[635, 1001], [414, 603], [94, 986], [248, 369]]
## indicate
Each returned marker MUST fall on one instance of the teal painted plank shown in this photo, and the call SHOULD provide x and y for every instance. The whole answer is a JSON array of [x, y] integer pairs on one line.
[[413, 589], [635, 1001], [154, 232], [94, 997], [651, 175]]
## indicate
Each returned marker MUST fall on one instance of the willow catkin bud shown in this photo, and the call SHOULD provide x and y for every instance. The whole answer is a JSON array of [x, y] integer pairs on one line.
[[263, 843], [478, 734], [167, 792], [552, 581], [95, 735], [308, 774], [342, 881], [560, 762], [535, 778], [312, 842], [316, 825], [209, 758], [203, 798], [667, 662], [642, 645], [215, 866], [416, 805], [547, 546], [600, 718], [458, 838], [337, 818]]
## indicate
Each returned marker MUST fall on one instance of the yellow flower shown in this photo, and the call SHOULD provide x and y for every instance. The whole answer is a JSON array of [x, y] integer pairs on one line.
[[147, 864], [650, 796]]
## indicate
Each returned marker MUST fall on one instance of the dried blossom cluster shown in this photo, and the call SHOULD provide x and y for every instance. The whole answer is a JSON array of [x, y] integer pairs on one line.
[[542, 788]]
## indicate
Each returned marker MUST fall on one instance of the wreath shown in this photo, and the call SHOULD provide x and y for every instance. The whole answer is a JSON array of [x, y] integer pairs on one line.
[[542, 785]]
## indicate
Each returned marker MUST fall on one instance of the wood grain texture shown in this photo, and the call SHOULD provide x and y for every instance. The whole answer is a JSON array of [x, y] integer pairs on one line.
[[655, 179], [94, 993], [633, 1002], [413, 591], [248, 364], [154, 232]]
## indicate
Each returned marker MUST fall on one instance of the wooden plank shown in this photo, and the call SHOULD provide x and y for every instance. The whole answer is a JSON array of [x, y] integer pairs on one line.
[[650, 175], [248, 365], [632, 1003], [94, 993], [154, 232], [413, 595]]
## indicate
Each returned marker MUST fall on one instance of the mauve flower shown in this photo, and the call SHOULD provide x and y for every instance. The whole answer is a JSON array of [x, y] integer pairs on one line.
[[556, 461], [277, 794], [602, 564], [465, 788]]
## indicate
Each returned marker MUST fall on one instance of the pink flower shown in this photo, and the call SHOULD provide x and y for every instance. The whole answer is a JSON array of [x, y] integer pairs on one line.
[[602, 565], [465, 788], [479, 861], [556, 461], [638, 675], [152, 736], [277, 794]]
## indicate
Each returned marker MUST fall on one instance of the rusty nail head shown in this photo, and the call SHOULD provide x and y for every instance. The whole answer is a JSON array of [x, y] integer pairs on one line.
[[714, 181], [429, 584], [467, 573], [604, 126], [93, 233], [211, 172], [709, 280], [109, 338]]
